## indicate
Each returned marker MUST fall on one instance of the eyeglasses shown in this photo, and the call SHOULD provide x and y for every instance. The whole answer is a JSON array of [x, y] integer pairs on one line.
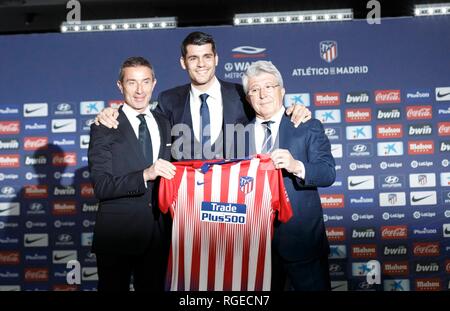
[[257, 90]]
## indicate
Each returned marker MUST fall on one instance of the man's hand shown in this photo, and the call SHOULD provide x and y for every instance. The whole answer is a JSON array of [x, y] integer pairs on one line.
[[299, 114], [282, 158], [161, 168], [108, 117]]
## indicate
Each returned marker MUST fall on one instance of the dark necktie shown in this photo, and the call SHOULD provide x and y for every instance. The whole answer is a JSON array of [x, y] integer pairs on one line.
[[205, 131], [267, 142], [145, 140]]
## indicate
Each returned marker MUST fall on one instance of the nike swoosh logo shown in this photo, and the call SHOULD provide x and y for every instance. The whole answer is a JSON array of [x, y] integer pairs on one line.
[[352, 184], [33, 110], [414, 199], [447, 230], [86, 275], [199, 183], [29, 241], [56, 127], [6, 209], [57, 258], [439, 94]]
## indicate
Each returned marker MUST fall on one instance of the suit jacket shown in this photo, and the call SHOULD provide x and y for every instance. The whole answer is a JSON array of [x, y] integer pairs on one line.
[[175, 105], [128, 218], [303, 237]]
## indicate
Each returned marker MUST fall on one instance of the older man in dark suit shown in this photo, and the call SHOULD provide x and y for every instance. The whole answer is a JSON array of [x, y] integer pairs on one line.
[[300, 246]]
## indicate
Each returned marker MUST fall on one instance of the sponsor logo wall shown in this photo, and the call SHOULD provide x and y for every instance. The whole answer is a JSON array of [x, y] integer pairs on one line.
[[389, 131]]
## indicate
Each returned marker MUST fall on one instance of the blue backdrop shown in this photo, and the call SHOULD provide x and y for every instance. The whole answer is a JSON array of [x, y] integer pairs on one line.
[[382, 92]]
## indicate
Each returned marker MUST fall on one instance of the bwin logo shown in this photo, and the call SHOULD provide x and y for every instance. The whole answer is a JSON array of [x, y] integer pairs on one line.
[[391, 179], [359, 148]]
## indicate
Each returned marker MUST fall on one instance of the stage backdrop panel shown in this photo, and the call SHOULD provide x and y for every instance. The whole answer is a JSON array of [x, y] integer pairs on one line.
[[381, 91]]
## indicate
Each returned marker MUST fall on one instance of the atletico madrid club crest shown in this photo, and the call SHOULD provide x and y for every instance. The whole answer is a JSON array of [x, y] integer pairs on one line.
[[246, 184], [328, 51]]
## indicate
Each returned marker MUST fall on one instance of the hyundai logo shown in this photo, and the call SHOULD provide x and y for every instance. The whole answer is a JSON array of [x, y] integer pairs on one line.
[[359, 148], [36, 206], [64, 237], [334, 267], [88, 122], [7, 190], [391, 179], [364, 285], [64, 107], [330, 131]]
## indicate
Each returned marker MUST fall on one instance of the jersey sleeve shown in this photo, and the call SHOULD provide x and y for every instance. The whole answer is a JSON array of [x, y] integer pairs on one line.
[[280, 198], [168, 190]]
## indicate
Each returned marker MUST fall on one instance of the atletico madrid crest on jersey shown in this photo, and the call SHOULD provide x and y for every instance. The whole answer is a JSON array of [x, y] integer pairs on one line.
[[246, 184]]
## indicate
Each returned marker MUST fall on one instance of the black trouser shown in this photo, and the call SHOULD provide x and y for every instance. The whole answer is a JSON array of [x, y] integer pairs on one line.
[[148, 270], [312, 275]]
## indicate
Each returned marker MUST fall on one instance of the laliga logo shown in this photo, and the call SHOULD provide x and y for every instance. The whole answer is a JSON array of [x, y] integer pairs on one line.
[[374, 275]]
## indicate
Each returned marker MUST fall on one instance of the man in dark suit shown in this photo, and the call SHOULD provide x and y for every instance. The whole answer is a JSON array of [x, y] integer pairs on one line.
[[300, 246], [131, 237], [202, 109]]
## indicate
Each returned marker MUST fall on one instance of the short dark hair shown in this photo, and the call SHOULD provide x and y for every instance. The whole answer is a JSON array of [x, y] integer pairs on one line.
[[197, 38], [135, 61]]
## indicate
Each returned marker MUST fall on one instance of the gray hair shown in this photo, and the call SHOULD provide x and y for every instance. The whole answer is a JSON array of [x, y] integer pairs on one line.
[[259, 67]]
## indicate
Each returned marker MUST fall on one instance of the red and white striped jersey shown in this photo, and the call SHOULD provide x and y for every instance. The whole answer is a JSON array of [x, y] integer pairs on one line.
[[223, 223]]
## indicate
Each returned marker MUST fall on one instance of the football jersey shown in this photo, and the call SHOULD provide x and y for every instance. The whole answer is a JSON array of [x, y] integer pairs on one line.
[[223, 215]]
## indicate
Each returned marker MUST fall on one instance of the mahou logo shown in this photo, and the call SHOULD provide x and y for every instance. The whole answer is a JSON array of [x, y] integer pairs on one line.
[[9, 258], [87, 190], [419, 112], [64, 159], [35, 143], [444, 128], [64, 208], [426, 249], [336, 233], [65, 288], [9, 160], [358, 115], [332, 200], [327, 99], [36, 274], [429, 284], [394, 232], [364, 251], [387, 96], [389, 131], [9, 127], [421, 147], [396, 268], [36, 191]]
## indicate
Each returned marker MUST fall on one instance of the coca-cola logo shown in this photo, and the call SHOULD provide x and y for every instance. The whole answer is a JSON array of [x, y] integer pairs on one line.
[[444, 128], [87, 190], [35, 143], [36, 274], [9, 127], [419, 112], [394, 232], [387, 96], [9, 258], [64, 159], [426, 249]]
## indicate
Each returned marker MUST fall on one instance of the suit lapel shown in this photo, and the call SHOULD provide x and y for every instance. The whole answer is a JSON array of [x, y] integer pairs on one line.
[[127, 131], [283, 137]]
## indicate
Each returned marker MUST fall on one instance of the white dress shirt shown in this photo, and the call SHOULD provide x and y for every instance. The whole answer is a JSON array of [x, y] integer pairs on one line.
[[152, 126], [215, 107], [260, 131]]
